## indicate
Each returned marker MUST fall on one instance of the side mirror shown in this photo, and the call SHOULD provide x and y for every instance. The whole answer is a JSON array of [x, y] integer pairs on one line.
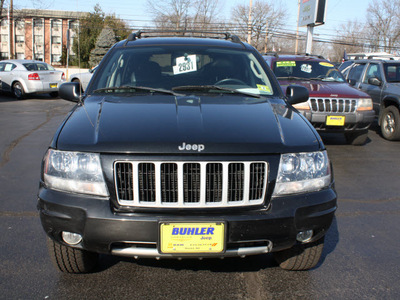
[[296, 94], [352, 82], [374, 81], [70, 91]]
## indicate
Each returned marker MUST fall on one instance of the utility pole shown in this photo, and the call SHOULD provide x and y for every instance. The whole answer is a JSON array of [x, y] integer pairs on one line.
[[297, 31], [11, 30], [249, 24], [266, 37]]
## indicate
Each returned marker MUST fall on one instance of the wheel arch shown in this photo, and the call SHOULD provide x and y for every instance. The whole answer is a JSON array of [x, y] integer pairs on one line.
[[386, 102]]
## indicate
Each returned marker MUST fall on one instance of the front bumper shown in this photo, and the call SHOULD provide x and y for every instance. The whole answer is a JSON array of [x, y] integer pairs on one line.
[[248, 232], [358, 121]]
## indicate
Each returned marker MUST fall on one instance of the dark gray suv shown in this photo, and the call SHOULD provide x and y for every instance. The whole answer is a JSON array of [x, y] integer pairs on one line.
[[381, 80]]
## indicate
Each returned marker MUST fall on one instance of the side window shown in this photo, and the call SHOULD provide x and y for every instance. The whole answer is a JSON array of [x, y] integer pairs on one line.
[[355, 72], [2, 66], [9, 67], [373, 71]]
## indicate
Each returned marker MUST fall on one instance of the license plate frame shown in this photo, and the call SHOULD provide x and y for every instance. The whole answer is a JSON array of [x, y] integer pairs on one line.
[[192, 237], [335, 120]]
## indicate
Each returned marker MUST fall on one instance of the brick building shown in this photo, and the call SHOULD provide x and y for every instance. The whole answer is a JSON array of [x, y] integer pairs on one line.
[[38, 34]]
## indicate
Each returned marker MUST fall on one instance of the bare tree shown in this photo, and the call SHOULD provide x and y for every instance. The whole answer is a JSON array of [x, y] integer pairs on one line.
[[171, 14], [351, 37], [266, 18], [383, 19], [184, 14]]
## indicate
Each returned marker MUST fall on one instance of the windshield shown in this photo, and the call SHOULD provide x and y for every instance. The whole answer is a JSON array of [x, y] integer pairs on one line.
[[307, 70], [392, 72], [184, 69]]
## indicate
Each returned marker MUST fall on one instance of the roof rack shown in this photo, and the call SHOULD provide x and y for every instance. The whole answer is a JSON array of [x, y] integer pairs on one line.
[[316, 55], [271, 54], [182, 33]]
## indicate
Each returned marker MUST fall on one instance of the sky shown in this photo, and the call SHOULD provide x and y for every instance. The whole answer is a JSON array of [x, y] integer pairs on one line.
[[136, 12]]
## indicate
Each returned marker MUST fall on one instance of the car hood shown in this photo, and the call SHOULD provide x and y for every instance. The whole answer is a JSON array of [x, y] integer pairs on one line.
[[185, 125], [318, 88]]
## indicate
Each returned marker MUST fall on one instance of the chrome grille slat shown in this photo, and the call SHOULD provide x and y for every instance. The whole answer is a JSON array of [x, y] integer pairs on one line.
[[333, 105], [190, 184]]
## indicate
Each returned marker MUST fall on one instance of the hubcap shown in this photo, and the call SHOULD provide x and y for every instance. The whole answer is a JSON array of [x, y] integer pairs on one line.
[[17, 91], [389, 123]]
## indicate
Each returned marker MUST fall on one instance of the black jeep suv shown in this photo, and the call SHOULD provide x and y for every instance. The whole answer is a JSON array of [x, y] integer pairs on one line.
[[381, 80], [185, 147]]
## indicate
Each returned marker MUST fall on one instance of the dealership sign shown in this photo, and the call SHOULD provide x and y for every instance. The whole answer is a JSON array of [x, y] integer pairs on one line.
[[312, 12]]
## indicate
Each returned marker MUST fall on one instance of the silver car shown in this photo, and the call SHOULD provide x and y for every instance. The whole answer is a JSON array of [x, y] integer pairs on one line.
[[83, 78], [21, 77]]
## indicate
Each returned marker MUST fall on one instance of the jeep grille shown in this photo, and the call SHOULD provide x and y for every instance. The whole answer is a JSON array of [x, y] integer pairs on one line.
[[333, 105], [190, 184]]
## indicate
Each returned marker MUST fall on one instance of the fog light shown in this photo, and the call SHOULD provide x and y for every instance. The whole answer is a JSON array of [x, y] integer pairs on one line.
[[71, 238], [304, 236]]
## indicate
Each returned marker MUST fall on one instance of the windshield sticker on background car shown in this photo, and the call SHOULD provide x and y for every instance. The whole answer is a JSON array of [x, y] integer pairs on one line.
[[306, 68], [286, 63], [325, 64], [185, 64], [263, 88]]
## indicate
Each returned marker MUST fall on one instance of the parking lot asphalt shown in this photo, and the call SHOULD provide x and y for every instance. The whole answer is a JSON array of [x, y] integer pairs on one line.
[[360, 258]]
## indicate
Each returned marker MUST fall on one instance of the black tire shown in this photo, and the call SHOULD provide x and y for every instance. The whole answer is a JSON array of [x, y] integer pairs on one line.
[[71, 260], [356, 138], [300, 257], [54, 94], [390, 123], [18, 90]]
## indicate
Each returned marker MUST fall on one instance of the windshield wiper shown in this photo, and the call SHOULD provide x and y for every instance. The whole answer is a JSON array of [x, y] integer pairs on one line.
[[326, 78], [210, 88], [294, 78], [135, 89]]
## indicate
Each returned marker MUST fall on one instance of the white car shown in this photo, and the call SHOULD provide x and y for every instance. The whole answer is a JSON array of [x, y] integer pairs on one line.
[[83, 78], [21, 77]]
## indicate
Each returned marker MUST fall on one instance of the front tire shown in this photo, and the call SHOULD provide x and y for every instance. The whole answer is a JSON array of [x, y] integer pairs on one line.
[[71, 260], [300, 257], [390, 123], [18, 90]]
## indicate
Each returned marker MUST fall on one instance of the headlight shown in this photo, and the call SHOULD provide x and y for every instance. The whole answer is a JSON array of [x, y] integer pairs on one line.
[[74, 172], [364, 104], [302, 172]]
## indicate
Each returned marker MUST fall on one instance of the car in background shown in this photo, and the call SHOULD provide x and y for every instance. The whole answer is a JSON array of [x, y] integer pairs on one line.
[[333, 106], [381, 80], [83, 78], [22, 77]]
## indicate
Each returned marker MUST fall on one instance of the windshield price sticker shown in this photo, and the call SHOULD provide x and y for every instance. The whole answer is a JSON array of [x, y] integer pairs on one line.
[[325, 64], [185, 64], [306, 68], [263, 88], [286, 63], [192, 237]]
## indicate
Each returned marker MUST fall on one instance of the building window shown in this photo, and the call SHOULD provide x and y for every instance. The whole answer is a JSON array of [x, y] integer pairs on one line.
[[19, 38], [55, 58], [56, 39]]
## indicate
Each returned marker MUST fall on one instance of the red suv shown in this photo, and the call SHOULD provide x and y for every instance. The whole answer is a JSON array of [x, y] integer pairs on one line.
[[333, 105]]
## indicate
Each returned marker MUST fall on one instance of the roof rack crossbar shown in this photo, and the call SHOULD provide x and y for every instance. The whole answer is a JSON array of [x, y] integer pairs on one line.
[[182, 33]]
